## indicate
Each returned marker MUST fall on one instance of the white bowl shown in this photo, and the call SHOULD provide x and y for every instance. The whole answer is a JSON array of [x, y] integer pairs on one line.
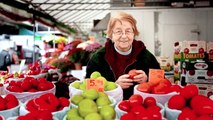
[[160, 98], [58, 114], [14, 118], [113, 103], [171, 114], [25, 96], [11, 112]]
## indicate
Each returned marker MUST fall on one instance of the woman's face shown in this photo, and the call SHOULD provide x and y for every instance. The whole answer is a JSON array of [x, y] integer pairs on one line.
[[123, 35]]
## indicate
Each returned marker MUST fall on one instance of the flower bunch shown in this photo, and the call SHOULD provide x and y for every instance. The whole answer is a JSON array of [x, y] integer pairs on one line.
[[63, 64], [77, 55], [93, 47], [72, 45]]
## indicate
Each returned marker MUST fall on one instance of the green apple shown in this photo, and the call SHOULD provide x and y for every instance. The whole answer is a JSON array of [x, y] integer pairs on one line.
[[84, 82], [107, 112], [76, 99], [82, 87], [73, 114], [93, 116], [104, 79], [101, 101], [110, 86], [90, 94], [95, 74], [76, 85], [87, 106], [102, 94]]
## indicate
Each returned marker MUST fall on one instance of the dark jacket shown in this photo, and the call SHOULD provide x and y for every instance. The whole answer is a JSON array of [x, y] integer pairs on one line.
[[102, 59]]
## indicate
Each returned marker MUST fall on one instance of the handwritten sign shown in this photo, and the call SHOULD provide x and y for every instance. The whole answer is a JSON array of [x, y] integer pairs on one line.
[[96, 84], [156, 75]]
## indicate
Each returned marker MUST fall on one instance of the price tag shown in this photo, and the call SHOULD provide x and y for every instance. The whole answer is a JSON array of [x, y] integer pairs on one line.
[[95, 84], [156, 74]]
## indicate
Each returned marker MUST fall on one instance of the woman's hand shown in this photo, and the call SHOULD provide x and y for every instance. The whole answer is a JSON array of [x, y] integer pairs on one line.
[[124, 81], [141, 77]]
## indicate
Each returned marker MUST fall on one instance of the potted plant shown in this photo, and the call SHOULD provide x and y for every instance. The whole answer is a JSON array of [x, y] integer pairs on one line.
[[63, 64]]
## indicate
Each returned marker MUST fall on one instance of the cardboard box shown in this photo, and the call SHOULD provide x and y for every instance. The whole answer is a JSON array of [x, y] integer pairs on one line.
[[199, 72], [177, 51], [205, 89], [165, 63], [193, 50], [210, 51]]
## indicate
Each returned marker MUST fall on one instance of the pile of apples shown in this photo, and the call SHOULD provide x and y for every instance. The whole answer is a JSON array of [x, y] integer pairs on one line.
[[8, 102], [192, 105], [47, 102], [108, 85], [29, 84], [91, 105], [162, 86], [137, 108]]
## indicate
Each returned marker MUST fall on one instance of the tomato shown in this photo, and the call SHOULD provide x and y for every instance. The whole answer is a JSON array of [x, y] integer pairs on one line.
[[124, 105], [144, 87], [136, 99], [187, 114], [176, 102], [138, 110], [204, 117], [189, 91], [161, 88], [144, 116], [156, 115], [204, 107], [25, 85], [128, 116], [149, 101], [132, 73], [196, 99], [154, 108], [175, 88]]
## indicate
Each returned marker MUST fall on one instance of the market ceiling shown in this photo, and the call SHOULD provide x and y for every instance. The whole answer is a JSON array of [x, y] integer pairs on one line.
[[78, 14]]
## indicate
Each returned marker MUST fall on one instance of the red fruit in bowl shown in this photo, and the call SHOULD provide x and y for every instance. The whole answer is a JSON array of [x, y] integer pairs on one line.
[[11, 104], [136, 99], [128, 116], [149, 101], [25, 85], [187, 114], [175, 88], [11, 97], [124, 105], [189, 91], [177, 102], [144, 87], [201, 50], [132, 73], [186, 51], [42, 86], [138, 110], [64, 101], [156, 115]]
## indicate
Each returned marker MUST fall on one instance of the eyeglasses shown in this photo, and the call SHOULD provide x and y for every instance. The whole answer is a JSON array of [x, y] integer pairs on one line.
[[120, 32]]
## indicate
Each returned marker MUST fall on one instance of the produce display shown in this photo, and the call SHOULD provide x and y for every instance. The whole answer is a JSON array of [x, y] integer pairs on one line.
[[191, 105], [95, 98], [29, 84]]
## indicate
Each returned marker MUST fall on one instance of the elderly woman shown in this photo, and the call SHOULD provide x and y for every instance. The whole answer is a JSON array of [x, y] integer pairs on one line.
[[121, 54]]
